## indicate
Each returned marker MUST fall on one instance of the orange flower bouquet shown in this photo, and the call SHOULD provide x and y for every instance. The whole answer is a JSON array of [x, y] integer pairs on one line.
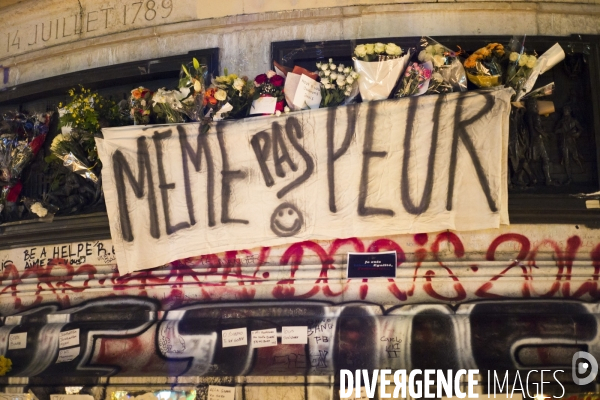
[[141, 105], [484, 68]]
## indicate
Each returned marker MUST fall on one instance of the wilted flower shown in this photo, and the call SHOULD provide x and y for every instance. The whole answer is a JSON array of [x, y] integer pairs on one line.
[[197, 86], [39, 210], [523, 60], [238, 84], [438, 60], [221, 95]]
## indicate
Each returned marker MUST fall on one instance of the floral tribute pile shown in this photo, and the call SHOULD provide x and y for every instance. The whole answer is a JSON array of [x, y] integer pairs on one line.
[[69, 162]]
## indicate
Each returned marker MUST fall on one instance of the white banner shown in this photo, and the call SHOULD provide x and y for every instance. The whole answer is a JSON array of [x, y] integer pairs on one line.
[[419, 164]]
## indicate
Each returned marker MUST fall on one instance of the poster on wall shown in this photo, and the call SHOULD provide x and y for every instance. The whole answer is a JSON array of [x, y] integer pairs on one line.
[[412, 165]]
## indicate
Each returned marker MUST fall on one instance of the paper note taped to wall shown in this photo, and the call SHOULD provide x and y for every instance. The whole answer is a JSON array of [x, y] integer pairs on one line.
[[413, 165], [68, 338], [294, 335], [234, 337], [264, 338], [67, 355], [221, 392], [17, 341]]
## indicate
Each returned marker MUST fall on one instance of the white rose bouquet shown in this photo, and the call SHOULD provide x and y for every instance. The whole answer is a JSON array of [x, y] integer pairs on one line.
[[524, 69], [519, 70], [448, 72], [338, 83], [379, 66]]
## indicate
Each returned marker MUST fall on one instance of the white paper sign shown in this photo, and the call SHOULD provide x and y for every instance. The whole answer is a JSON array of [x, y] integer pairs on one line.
[[264, 338], [263, 105], [71, 397], [294, 335], [221, 392], [272, 182], [17, 341], [15, 396], [67, 355], [302, 92], [235, 337], [69, 338]]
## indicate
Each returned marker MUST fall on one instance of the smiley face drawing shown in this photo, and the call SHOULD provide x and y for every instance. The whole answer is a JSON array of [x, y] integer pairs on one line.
[[286, 220]]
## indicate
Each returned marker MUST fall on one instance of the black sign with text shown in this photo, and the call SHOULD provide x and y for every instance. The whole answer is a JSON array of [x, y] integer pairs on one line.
[[372, 265]]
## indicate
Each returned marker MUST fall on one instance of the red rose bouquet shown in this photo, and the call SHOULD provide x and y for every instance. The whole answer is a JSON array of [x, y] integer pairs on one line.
[[268, 96]]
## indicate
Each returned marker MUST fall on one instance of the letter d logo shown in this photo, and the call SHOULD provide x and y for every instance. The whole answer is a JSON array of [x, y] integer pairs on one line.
[[581, 367]]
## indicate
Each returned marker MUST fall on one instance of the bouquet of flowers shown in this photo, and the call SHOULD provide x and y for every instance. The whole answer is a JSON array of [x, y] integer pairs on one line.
[[448, 72], [141, 109], [338, 83], [546, 61], [192, 78], [484, 66], [229, 97], [77, 152], [21, 137], [88, 111], [519, 69], [379, 66], [169, 104], [415, 80], [82, 118], [268, 97]]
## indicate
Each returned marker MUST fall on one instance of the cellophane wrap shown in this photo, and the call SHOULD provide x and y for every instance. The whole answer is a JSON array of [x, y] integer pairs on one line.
[[483, 67], [377, 79], [74, 164], [446, 63]]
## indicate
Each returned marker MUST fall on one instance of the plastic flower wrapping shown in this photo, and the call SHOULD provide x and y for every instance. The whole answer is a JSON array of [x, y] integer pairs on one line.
[[379, 66], [484, 67], [191, 82], [339, 83], [448, 72], [415, 79]]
